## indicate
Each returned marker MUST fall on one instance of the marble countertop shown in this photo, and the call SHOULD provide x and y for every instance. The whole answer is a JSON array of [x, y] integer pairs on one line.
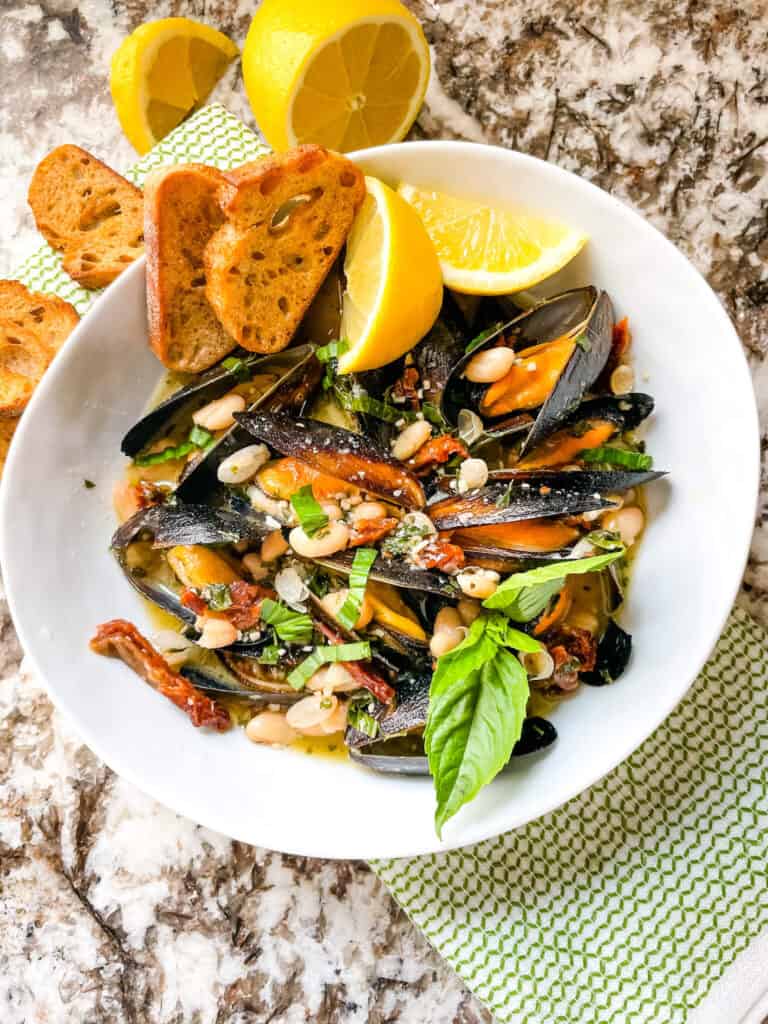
[[113, 909]]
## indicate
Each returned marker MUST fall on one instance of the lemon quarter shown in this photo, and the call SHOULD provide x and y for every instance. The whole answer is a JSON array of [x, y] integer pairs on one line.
[[490, 250], [162, 72], [394, 288], [346, 74]]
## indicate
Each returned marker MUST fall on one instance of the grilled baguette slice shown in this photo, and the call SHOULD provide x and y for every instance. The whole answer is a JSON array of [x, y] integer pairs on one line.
[[24, 358], [7, 428], [287, 219], [181, 213], [48, 317], [89, 213]]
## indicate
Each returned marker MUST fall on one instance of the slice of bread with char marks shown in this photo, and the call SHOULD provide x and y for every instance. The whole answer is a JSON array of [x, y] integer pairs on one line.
[[23, 361], [89, 213], [181, 213], [48, 317], [287, 219]]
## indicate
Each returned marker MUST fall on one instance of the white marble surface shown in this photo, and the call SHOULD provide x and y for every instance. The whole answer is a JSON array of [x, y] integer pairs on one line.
[[114, 909]]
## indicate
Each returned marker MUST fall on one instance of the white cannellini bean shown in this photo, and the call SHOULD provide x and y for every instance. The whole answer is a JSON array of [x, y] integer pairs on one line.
[[279, 510], [331, 509], [317, 715], [217, 633], [270, 727], [489, 366], [333, 538], [622, 380], [538, 664], [448, 633], [468, 610], [333, 679], [333, 601], [243, 464], [479, 583], [628, 522], [368, 510], [472, 473], [254, 566], [219, 415], [408, 441], [273, 546]]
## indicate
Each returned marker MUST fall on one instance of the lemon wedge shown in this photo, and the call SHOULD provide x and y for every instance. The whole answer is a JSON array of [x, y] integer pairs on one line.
[[394, 288], [162, 72], [346, 74], [487, 250]]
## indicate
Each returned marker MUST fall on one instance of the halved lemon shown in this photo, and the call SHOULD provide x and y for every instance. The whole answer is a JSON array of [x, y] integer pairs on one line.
[[488, 250], [346, 74], [162, 72], [394, 288]]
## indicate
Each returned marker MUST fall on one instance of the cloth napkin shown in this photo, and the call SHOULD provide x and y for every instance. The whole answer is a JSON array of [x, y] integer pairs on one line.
[[643, 900]]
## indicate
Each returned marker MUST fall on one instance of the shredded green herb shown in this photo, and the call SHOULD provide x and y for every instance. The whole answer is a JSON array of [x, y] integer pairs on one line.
[[307, 508], [325, 656], [489, 332], [360, 718], [237, 367], [332, 350], [199, 438], [289, 626], [584, 343], [270, 655], [349, 612], [217, 596], [618, 457]]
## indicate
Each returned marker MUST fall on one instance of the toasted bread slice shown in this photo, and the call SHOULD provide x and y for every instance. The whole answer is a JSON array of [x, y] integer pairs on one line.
[[89, 212], [23, 361], [48, 317], [7, 427], [287, 219], [181, 213]]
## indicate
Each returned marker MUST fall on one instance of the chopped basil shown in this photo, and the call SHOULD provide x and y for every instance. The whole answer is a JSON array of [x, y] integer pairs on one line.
[[332, 350], [360, 718], [200, 437], [489, 332], [325, 656], [433, 415], [618, 457], [237, 367], [88, 484], [307, 508], [404, 537], [584, 343], [217, 596], [289, 626], [349, 612], [270, 655]]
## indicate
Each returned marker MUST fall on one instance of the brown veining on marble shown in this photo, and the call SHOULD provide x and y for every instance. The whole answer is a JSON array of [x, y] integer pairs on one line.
[[112, 909]]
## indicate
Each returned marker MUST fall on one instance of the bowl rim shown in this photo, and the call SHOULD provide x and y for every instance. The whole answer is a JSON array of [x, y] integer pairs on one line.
[[724, 597]]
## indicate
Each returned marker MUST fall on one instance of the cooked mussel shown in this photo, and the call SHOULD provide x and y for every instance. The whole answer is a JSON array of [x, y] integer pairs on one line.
[[436, 356], [232, 676], [405, 756], [338, 453], [394, 571], [512, 496], [613, 653]]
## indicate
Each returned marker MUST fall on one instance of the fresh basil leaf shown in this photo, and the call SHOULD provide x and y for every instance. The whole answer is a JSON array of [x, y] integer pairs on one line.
[[237, 367], [200, 437], [485, 335], [523, 595], [324, 656], [332, 350], [180, 451], [270, 655], [477, 707], [349, 612], [359, 717], [617, 457], [289, 626], [307, 508], [606, 540]]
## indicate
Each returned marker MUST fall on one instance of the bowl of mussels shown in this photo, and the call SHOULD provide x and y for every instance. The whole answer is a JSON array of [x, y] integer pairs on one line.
[[406, 609]]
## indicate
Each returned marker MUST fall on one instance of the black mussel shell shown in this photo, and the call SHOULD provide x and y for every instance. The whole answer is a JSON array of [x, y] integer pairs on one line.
[[549, 320], [626, 411], [394, 571], [436, 355], [169, 525], [515, 496], [300, 372], [613, 654], [216, 676], [590, 355], [337, 452], [408, 715]]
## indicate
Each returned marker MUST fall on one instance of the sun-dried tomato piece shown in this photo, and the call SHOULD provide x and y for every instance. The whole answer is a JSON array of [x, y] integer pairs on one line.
[[406, 387], [435, 452], [192, 600], [439, 553], [121, 639], [366, 531], [362, 675]]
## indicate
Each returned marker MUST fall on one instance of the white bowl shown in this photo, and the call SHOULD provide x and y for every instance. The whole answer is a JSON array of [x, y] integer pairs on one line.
[[62, 582]]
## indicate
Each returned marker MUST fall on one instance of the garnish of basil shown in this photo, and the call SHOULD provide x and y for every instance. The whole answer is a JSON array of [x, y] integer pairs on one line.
[[349, 612], [307, 508], [325, 656]]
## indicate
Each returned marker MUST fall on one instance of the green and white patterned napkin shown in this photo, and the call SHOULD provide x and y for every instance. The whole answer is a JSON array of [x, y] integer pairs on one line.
[[628, 904]]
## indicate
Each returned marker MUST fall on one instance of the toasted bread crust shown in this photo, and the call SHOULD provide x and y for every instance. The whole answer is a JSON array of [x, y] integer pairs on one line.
[[266, 264], [50, 318], [89, 213], [181, 213], [23, 361]]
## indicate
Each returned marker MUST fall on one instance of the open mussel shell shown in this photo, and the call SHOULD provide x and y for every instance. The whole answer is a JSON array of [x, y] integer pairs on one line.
[[436, 356], [625, 411], [396, 572], [230, 676], [567, 313], [293, 377], [513, 496], [337, 452], [613, 653], [382, 756]]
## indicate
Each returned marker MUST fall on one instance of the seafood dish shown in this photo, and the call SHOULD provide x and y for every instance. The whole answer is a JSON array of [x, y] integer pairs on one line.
[[418, 561]]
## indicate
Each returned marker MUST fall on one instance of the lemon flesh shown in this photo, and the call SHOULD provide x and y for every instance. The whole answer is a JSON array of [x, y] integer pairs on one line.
[[485, 250], [162, 72], [394, 288], [345, 74]]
